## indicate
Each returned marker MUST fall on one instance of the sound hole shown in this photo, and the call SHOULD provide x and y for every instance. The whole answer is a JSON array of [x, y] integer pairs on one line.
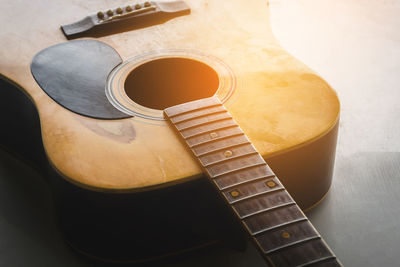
[[166, 82]]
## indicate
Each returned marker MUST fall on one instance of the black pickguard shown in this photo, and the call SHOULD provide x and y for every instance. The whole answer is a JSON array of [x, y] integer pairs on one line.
[[74, 74]]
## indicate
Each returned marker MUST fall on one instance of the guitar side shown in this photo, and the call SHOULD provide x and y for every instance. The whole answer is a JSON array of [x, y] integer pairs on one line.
[[80, 209]]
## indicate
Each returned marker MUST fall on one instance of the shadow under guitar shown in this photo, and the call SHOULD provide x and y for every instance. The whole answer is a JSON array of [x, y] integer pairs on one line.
[[107, 224]]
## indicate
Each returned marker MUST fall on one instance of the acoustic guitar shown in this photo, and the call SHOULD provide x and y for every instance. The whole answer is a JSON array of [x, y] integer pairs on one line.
[[127, 108]]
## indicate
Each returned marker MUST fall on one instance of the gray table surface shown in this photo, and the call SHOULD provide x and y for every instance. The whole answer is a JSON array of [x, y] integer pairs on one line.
[[355, 46]]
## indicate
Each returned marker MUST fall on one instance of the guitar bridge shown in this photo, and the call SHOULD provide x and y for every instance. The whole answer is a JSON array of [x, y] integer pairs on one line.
[[127, 18]]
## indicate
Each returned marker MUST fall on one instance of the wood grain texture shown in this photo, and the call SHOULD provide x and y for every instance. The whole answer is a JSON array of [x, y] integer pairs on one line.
[[283, 92]]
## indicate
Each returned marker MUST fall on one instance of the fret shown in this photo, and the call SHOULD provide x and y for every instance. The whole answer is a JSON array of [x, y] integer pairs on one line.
[[192, 106], [328, 262], [204, 122], [233, 164], [269, 214], [294, 243], [272, 219], [268, 209], [214, 135], [229, 160], [207, 128], [233, 179], [211, 158], [198, 113], [253, 189], [230, 124], [262, 203], [220, 145], [245, 167], [253, 179], [216, 139], [196, 122], [305, 254], [284, 237]]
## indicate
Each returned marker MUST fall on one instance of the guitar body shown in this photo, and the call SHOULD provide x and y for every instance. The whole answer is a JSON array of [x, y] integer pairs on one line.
[[130, 184]]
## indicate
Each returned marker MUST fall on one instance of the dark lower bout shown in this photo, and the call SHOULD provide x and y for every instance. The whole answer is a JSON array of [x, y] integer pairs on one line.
[[307, 171], [137, 226]]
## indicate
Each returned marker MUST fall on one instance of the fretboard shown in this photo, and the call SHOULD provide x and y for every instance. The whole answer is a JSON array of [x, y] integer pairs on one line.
[[278, 227]]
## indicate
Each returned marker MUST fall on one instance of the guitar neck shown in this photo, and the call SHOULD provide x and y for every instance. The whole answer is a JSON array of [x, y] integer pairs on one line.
[[278, 227]]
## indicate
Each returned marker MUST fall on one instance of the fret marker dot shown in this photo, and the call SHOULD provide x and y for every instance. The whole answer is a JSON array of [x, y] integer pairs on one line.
[[228, 153], [235, 193], [271, 184], [285, 235], [213, 135]]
